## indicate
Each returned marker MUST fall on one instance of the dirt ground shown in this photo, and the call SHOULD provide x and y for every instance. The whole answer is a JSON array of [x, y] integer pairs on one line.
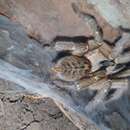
[[20, 112]]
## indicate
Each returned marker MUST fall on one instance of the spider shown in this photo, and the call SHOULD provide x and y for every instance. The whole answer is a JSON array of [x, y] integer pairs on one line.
[[84, 66]]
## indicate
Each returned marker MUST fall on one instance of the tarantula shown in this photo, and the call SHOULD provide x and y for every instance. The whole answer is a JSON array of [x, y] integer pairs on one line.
[[84, 70]]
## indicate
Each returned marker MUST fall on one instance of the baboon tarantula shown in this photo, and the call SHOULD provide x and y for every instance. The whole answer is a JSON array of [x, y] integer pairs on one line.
[[79, 67]]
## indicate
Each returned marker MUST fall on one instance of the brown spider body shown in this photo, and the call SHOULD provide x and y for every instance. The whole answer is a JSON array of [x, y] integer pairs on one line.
[[86, 68], [72, 68]]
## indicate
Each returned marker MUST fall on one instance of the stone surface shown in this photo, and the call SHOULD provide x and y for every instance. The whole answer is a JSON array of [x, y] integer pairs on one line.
[[19, 112], [46, 19], [117, 13]]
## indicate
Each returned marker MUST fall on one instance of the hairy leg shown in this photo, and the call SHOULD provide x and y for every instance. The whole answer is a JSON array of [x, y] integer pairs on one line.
[[93, 79], [91, 21]]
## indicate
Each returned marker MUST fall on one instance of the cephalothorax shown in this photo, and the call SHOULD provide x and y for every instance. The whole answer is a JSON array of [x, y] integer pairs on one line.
[[78, 67], [72, 68]]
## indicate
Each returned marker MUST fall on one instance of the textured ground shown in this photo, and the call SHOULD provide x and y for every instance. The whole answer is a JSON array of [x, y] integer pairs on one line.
[[46, 19], [19, 112]]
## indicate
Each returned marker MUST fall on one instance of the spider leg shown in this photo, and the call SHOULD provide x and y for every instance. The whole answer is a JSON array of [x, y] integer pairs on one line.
[[86, 82], [75, 48], [112, 70], [123, 74], [100, 74], [122, 44], [91, 21], [64, 84], [123, 58], [82, 47], [120, 58]]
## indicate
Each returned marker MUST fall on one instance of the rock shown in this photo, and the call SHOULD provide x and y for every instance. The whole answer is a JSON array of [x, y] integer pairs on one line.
[[27, 114]]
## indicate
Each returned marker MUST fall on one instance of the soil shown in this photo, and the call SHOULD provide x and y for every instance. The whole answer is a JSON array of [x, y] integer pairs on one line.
[[21, 111]]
